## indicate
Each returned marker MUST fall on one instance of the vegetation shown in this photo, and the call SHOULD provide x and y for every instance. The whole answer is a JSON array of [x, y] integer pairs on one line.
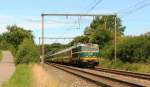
[[136, 67], [14, 36], [43, 78], [20, 42], [21, 78], [54, 47], [131, 50], [0, 55], [27, 52], [100, 31]]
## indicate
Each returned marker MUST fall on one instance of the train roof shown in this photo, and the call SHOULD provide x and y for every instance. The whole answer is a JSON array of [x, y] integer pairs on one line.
[[68, 49]]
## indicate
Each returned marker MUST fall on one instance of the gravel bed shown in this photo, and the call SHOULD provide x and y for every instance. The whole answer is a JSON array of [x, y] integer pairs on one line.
[[66, 79], [121, 77]]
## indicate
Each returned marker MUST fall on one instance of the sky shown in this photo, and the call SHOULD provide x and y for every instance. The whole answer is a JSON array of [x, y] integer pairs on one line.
[[27, 14]]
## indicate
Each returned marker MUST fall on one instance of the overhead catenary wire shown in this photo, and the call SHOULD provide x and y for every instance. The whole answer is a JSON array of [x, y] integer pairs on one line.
[[92, 6], [131, 6], [137, 6]]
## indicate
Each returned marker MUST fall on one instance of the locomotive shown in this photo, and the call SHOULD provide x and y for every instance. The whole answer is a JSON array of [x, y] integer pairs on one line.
[[82, 55]]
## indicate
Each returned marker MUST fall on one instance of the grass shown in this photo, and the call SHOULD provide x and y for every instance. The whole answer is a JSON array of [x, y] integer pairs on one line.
[[136, 67], [0, 55], [47, 79], [21, 78], [32, 75]]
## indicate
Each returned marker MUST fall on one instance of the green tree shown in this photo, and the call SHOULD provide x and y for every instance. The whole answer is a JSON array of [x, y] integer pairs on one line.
[[27, 53], [101, 30], [15, 35], [52, 48], [132, 49], [79, 39]]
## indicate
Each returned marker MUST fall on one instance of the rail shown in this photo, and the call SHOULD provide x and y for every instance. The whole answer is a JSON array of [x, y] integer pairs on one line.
[[97, 78], [125, 73]]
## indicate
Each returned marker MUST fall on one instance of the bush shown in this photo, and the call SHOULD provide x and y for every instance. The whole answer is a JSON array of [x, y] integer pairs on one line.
[[136, 67], [0, 55], [131, 49], [27, 52], [7, 46]]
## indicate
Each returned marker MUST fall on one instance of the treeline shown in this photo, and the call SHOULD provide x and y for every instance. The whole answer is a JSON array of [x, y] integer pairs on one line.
[[130, 49], [20, 42]]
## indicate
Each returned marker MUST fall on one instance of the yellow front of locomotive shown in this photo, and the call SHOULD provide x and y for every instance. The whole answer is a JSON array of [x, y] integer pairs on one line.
[[89, 55]]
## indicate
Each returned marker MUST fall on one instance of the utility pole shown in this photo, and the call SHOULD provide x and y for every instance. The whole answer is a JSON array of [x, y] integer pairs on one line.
[[115, 50], [39, 41], [105, 22], [42, 57], [39, 45]]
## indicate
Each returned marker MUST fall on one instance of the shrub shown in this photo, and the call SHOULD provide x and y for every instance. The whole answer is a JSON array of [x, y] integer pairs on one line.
[[7, 46], [0, 55], [131, 49], [27, 52], [136, 67]]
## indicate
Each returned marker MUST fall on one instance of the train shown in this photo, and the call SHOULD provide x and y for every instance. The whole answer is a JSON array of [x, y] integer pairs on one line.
[[81, 55]]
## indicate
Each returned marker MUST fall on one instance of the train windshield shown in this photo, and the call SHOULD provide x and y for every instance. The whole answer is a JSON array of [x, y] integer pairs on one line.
[[91, 47], [89, 50]]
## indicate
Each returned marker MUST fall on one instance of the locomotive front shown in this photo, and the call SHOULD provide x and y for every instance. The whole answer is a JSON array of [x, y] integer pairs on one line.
[[89, 55]]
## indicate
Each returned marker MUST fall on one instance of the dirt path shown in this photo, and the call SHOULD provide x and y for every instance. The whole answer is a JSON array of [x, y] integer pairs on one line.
[[7, 67]]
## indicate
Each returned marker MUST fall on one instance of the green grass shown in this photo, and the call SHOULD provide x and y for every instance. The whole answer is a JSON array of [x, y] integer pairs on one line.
[[0, 55], [136, 67], [21, 78]]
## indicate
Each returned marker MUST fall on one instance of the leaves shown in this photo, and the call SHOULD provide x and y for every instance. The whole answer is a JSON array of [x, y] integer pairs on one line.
[[131, 49], [16, 35], [27, 52]]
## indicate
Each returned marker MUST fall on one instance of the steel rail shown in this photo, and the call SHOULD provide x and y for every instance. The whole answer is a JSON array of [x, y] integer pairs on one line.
[[88, 75], [125, 73]]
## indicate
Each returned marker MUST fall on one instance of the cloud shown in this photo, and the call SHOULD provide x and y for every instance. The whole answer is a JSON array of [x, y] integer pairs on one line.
[[4, 20], [4, 17], [29, 23], [38, 25], [2, 29]]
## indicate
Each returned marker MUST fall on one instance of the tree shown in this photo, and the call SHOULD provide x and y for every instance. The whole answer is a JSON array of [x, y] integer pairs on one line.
[[52, 48], [16, 35], [27, 52], [132, 49], [101, 30], [79, 39]]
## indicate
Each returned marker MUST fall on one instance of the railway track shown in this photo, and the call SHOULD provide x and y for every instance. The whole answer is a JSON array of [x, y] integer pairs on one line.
[[94, 76], [125, 73]]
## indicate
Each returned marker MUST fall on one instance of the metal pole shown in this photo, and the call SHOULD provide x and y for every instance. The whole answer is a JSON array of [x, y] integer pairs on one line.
[[105, 23], [57, 37], [42, 57], [39, 41], [77, 15], [39, 46], [115, 37]]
